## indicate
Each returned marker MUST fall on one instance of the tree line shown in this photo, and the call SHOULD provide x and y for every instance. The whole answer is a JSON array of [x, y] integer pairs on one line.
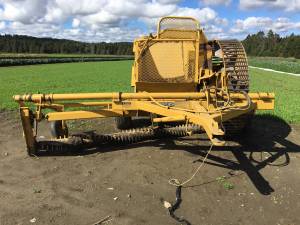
[[260, 44], [27, 44], [271, 44]]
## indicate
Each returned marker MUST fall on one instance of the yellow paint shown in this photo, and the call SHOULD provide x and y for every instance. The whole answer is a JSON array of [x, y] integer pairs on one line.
[[173, 79]]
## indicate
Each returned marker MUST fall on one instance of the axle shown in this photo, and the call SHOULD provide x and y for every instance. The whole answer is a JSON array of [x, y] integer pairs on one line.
[[119, 96]]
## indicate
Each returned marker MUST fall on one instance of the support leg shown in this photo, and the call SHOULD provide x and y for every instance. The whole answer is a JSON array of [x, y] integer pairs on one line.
[[28, 130]]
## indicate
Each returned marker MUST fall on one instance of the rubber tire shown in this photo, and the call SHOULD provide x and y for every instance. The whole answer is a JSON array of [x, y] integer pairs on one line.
[[123, 123], [57, 130]]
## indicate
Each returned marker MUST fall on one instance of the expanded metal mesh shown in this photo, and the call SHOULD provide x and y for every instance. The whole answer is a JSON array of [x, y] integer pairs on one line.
[[178, 28], [178, 24], [168, 61]]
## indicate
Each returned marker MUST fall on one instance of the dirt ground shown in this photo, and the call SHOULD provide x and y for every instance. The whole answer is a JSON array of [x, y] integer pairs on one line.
[[255, 180]]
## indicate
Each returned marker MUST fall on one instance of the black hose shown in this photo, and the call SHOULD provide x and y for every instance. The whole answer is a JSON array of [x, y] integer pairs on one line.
[[175, 206]]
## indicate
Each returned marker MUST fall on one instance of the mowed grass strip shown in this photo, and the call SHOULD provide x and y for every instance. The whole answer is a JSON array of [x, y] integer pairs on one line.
[[286, 89], [289, 65], [63, 78], [116, 76]]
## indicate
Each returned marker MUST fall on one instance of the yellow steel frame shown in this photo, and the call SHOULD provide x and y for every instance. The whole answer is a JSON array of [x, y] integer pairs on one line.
[[187, 106], [201, 39], [192, 106]]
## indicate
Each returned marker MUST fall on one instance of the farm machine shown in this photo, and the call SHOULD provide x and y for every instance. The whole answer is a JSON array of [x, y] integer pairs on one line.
[[183, 83]]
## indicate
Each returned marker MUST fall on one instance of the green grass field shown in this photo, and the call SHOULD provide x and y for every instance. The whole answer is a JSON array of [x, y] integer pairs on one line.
[[290, 65], [286, 89], [63, 78], [115, 76]]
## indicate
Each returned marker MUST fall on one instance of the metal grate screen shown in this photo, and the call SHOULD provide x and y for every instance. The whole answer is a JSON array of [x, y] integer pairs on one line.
[[178, 24], [168, 61], [180, 28]]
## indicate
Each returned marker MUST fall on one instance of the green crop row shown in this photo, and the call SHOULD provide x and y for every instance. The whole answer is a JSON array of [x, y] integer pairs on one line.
[[33, 60], [115, 76], [289, 65], [54, 55]]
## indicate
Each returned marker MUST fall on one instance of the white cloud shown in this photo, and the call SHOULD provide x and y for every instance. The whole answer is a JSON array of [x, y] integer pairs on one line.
[[25, 11], [209, 21], [284, 25], [139, 8], [168, 1], [39, 30], [112, 20], [254, 24], [54, 14], [80, 7], [98, 19], [216, 2], [114, 34], [107, 34], [32, 11], [75, 22], [2, 25], [204, 15], [287, 5], [38, 17]]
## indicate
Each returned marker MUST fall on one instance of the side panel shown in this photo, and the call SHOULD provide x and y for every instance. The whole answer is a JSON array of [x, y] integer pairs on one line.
[[166, 87], [168, 61]]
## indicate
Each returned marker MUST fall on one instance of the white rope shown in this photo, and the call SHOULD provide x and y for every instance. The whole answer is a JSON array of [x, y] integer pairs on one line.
[[177, 183]]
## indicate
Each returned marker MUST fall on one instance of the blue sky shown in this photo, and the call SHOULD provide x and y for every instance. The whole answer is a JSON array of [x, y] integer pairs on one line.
[[124, 20]]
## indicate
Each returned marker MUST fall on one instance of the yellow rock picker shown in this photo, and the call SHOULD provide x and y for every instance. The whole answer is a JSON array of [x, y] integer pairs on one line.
[[183, 83]]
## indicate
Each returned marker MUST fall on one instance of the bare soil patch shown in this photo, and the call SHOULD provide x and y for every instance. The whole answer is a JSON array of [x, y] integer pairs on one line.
[[262, 167]]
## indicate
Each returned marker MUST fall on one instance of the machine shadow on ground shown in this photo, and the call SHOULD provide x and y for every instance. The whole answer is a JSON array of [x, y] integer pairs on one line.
[[264, 143]]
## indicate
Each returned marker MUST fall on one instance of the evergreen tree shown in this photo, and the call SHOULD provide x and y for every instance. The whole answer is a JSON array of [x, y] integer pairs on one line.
[[272, 45], [28, 44]]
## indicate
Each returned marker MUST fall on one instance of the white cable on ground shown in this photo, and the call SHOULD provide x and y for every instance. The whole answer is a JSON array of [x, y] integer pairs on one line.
[[176, 182], [275, 71]]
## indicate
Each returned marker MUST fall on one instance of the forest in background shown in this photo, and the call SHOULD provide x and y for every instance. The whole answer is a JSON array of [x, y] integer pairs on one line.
[[33, 45], [271, 44], [260, 44]]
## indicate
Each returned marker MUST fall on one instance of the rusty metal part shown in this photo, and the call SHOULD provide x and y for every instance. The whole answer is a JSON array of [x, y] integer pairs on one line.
[[84, 140], [236, 68], [235, 64]]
